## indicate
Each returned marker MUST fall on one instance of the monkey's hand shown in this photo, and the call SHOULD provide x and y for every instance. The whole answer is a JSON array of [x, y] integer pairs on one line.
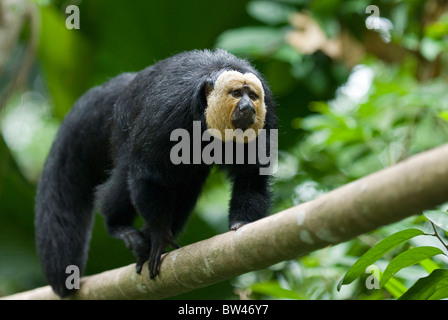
[[236, 225], [159, 241]]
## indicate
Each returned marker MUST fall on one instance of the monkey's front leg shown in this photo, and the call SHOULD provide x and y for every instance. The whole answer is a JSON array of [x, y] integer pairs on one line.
[[251, 199]]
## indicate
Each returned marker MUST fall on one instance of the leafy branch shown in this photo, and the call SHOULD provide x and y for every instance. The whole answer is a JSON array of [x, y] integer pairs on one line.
[[406, 259]]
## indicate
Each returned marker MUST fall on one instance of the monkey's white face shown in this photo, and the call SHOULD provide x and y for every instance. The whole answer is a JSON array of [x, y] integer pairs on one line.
[[236, 102]]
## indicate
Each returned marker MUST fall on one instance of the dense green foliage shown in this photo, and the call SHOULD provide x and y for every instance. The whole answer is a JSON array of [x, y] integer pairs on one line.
[[339, 120]]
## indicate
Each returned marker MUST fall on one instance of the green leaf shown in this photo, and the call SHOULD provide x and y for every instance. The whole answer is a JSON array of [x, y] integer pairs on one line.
[[274, 289], [444, 115], [288, 54], [406, 259], [429, 265], [251, 40], [441, 290], [431, 48], [376, 252], [270, 12], [439, 218], [395, 288], [432, 287], [437, 30]]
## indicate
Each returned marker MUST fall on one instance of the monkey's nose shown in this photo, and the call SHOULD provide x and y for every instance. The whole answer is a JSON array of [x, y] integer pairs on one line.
[[246, 108], [243, 116]]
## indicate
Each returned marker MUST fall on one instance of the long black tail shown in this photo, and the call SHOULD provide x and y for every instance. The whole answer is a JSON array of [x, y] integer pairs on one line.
[[63, 211], [77, 164]]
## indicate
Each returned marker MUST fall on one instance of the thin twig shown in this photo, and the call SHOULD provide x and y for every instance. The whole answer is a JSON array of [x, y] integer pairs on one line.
[[438, 237]]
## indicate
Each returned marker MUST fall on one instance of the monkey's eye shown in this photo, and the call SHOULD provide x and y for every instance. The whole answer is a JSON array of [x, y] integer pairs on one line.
[[236, 94], [253, 96]]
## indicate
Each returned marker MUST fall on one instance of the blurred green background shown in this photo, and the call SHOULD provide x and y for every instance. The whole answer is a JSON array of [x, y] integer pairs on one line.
[[352, 100]]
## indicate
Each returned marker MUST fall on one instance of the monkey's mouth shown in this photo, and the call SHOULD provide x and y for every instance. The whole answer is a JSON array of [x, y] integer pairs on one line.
[[243, 119]]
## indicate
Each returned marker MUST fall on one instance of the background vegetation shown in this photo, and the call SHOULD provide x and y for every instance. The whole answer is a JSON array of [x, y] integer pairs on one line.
[[351, 100]]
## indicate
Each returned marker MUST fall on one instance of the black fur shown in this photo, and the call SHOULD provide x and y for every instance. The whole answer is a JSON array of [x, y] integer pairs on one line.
[[114, 148]]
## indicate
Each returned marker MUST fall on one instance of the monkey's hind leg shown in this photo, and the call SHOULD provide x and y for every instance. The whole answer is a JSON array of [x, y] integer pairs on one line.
[[166, 210], [116, 206], [157, 204]]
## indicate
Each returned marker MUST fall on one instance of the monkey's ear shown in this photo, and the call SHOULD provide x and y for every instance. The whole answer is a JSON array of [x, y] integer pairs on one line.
[[199, 102], [208, 89]]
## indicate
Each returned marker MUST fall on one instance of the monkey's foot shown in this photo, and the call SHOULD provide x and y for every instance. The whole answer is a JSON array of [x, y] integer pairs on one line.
[[134, 241], [158, 243]]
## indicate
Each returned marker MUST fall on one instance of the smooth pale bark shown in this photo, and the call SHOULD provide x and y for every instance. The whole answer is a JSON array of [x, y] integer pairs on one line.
[[419, 183]]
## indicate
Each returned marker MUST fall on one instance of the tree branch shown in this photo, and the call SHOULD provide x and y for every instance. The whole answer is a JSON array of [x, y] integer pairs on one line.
[[419, 183]]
